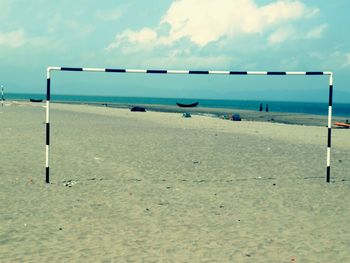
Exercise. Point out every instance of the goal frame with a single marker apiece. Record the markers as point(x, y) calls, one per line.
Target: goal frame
point(196, 72)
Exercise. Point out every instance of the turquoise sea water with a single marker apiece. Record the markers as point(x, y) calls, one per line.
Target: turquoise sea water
point(339, 109)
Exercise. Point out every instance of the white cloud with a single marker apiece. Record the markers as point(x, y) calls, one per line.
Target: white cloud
point(46, 43)
point(191, 61)
point(108, 15)
point(6, 8)
point(286, 10)
point(54, 23)
point(331, 61)
point(340, 59)
point(281, 35)
point(59, 23)
point(290, 33)
point(347, 60)
point(79, 28)
point(13, 39)
point(317, 31)
point(215, 19)
point(19, 39)
point(143, 38)
point(207, 21)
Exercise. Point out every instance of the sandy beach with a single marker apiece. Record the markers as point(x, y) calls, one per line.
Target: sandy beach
point(156, 187)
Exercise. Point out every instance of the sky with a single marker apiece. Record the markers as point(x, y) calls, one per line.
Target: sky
point(243, 35)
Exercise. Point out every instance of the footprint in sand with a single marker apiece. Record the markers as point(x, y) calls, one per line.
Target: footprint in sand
point(98, 159)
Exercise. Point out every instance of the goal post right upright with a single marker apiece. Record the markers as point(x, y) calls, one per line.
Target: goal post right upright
point(330, 103)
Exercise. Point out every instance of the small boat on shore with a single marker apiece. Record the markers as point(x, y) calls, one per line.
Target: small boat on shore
point(35, 100)
point(138, 108)
point(195, 104)
point(343, 124)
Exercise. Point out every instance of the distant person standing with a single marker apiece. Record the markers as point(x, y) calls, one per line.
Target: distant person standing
point(2, 96)
point(261, 107)
point(267, 107)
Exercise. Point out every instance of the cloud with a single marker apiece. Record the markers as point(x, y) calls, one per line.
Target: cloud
point(191, 61)
point(143, 38)
point(13, 39)
point(317, 31)
point(291, 33)
point(108, 15)
point(335, 60)
point(339, 59)
point(19, 39)
point(79, 28)
point(214, 20)
point(347, 60)
point(47, 43)
point(286, 10)
point(59, 23)
point(6, 8)
point(281, 35)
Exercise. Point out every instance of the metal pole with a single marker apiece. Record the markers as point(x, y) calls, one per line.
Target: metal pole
point(47, 126)
point(328, 176)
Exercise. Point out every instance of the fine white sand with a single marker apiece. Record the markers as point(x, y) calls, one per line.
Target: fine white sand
point(156, 187)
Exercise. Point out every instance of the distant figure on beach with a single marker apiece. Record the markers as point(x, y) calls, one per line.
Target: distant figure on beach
point(261, 107)
point(2, 96)
point(267, 107)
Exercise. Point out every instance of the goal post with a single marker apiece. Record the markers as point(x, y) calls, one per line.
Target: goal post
point(196, 72)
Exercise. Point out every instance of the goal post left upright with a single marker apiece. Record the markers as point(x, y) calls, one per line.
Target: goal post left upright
point(47, 125)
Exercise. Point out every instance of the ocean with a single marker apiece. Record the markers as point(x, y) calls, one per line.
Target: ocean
point(318, 108)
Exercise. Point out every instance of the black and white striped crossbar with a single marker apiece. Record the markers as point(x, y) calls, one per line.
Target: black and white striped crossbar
point(196, 72)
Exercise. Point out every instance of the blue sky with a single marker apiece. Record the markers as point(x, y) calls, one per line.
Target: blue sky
point(185, 34)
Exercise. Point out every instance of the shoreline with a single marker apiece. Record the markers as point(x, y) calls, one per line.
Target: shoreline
point(291, 118)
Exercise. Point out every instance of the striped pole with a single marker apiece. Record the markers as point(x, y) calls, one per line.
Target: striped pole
point(197, 72)
point(330, 103)
point(47, 124)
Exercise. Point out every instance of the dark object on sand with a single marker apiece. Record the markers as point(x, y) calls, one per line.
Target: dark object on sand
point(267, 107)
point(261, 107)
point(186, 115)
point(137, 108)
point(236, 117)
point(225, 116)
point(195, 104)
point(35, 100)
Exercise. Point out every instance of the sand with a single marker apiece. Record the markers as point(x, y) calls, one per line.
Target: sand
point(156, 187)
